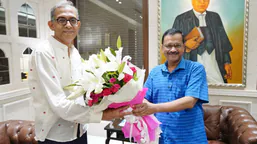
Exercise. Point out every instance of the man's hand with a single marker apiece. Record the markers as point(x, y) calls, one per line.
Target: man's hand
point(144, 109)
point(110, 114)
point(228, 71)
point(193, 43)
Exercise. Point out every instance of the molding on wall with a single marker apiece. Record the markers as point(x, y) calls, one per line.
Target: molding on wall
point(14, 93)
point(19, 109)
point(244, 104)
point(232, 92)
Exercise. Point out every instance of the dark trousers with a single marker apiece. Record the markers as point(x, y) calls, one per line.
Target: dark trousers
point(81, 140)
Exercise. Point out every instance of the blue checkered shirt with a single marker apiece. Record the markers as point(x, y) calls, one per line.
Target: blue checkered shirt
point(187, 79)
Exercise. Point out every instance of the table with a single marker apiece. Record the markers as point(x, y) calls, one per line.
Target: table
point(115, 129)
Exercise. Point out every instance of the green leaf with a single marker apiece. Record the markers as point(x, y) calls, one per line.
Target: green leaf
point(72, 85)
point(121, 67)
point(69, 86)
point(82, 60)
point(89, 72)
point(107, 85)
point(108, 75)
point(135, 77)
point(105, 77)
point(113, 51)
point(119, 44)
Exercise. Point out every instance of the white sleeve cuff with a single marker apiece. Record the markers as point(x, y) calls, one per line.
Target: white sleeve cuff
point(95, 117)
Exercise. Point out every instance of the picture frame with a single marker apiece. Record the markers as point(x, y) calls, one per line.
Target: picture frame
point(234, 15)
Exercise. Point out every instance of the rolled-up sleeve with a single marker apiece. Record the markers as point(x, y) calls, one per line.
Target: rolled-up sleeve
point(197, 86)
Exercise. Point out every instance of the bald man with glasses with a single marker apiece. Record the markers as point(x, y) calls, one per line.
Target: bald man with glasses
point(54, 64)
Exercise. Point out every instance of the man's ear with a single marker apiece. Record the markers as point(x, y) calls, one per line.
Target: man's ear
point(79, 23)
point(184, 47)
point(51, 25)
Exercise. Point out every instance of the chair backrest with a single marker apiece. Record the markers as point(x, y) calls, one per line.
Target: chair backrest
point(212, 121)
point(229, 124)
point(17, 131)
point(236, 122)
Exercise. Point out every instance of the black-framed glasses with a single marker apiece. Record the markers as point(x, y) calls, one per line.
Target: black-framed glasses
point(63, 21)
point(177, 46)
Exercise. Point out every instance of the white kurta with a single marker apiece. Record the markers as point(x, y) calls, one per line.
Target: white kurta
point(50, 70)
point(209, 60)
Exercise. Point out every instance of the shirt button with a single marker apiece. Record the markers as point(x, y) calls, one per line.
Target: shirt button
point(169, 86)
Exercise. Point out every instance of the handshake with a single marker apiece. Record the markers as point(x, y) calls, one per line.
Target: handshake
point(193, 39)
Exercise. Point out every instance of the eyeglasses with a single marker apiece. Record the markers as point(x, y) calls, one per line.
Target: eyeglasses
point(177, 46)
point(63, 21)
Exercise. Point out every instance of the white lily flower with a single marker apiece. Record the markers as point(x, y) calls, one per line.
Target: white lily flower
point(119, 55)
point(95, 61)
point(126, 58)
point(126, 68)
point(98, 88)
point(111, 66)
point(121, 76)
point(90, 89)
point(87, 66)
point(91, 82)
point(109, 54)
point(98, 72)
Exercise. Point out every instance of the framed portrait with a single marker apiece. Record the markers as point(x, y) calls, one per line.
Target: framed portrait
point(215, 34)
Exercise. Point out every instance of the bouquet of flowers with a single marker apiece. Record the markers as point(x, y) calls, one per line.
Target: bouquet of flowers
point(108, 80)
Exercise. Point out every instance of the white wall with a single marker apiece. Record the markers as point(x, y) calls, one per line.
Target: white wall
point(244, 97)
point(15, 98)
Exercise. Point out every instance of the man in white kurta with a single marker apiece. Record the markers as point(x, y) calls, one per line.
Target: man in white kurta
point(55, 63)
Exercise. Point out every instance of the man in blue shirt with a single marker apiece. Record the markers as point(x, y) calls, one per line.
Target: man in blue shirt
point(176, 91)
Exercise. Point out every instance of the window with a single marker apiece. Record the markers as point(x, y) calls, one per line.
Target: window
point(27, 51)
point(2, 20)
point(27, 21)
point(24, 62)
point(4, 69)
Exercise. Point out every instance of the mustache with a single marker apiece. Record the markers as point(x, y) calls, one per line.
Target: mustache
point(172, 53)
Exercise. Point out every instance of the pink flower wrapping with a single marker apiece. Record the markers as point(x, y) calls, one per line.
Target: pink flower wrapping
point(136, 100)
point(137, 129)
point(152, 124)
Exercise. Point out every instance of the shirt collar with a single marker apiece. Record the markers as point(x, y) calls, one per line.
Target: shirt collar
point(56, 43)
point(181, 65)
point(197, 14)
